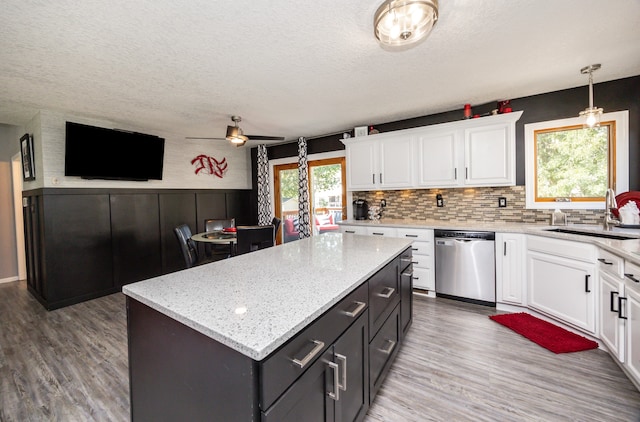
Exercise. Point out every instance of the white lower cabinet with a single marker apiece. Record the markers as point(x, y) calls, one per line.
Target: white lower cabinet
point(511, 275)
point(562, 286)
point(423, 257)
point(612, 322)
point(632, 337)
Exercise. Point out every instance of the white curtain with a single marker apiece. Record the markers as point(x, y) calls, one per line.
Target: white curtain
point(264, 205)
point(304, 226)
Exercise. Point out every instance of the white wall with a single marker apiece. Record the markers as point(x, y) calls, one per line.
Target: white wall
point(48, 130)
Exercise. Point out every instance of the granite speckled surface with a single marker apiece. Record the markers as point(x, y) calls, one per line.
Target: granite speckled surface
point(628, 249)
point(255, 302)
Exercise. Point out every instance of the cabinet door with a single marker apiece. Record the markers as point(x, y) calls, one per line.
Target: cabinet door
point(362, 165)
point(563, 288)
point(406, 299)
point(308, 398)
point(510, 268)
point(489, 156)
point(351, 353)
point(611, 326)
point(439, 160)
point(632, 358)
point(396, 157)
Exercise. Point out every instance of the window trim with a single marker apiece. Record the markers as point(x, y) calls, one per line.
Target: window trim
point(621, 182)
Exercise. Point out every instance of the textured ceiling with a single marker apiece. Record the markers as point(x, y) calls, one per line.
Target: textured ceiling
point(303, 68)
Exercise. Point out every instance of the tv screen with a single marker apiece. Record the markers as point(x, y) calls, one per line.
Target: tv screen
point(98, 153)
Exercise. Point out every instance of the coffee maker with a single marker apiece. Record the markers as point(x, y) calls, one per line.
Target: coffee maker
point(360, 209)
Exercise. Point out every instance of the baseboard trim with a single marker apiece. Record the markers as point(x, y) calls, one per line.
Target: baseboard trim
point(9, 279)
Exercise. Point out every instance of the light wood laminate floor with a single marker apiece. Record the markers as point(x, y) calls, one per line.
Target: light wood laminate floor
point(456, 365)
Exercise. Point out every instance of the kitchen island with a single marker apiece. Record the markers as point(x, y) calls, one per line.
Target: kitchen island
point(251, 337)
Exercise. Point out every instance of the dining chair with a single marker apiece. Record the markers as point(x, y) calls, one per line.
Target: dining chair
point(212, 225)
point(253, 238)
point(187, 246)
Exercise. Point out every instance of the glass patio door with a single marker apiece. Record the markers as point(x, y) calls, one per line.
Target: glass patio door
point(327, 191)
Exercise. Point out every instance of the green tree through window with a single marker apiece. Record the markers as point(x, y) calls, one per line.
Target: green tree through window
point(573, 162)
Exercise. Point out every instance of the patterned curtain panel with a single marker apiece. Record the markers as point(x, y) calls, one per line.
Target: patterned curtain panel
point(264, 207)
point(304, 227)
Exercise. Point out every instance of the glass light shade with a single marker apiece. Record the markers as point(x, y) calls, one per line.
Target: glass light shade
point(591, 116)
point(404, 22)
point(235, 136)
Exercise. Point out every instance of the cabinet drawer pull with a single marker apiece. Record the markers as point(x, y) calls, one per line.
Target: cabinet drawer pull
point(631, 277)
point(343, 359)
point(378, 234)
point(350, 231)
point(416, 278)
point(455, 173)
point(359, 307)
point(605, 262)
point(389, 349)
point(387, 292)
point(414, 249)
point(586, 283)
point(613, 301)
point(410, 235)
point(620, 299)
point(380, 178)
point(336, 386)
point(373, 178)
point(319, 345)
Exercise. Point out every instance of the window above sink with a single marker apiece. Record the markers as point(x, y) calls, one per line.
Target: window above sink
point(569, 167)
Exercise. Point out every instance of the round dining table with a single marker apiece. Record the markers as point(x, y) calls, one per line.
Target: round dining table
point(217, 237)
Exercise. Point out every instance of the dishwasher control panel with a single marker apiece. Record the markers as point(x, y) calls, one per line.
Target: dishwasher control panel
point(465, 234)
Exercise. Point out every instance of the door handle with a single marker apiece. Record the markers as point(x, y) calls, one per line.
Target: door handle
point(586, 283)
point(336, 384)
point(612, 301)
point(343, 359)
point(604, 261)
point(380, 178)
point(620, 299)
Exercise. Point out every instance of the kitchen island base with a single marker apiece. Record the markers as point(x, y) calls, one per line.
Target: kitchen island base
point(329, 371)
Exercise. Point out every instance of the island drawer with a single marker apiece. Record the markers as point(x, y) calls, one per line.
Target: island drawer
point(280, 369)
point(382, 349)
point(610, 263)
point(384, 294)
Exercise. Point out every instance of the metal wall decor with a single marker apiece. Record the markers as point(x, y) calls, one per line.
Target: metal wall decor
point(210, 165)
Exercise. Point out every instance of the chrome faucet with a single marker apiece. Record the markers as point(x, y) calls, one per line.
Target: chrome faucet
point(609, 204)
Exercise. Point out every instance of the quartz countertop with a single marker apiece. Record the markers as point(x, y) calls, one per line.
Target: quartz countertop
point(254, 303)
point(628, 249)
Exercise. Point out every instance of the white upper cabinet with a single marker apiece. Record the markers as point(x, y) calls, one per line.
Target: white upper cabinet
point(383, 161)
point(490, 155)
point(438, 159)
point(466, 153)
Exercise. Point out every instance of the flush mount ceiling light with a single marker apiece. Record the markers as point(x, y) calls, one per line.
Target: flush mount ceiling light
point(404, 22)
point(591, 114)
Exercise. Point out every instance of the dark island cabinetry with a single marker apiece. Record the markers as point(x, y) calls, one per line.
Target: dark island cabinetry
point(328, 371)
point(86, 243)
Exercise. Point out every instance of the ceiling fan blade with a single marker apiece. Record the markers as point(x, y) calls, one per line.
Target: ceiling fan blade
point(195, 137)
point(264, 138)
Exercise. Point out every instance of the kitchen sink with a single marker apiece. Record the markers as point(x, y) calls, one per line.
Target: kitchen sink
point(592, 234)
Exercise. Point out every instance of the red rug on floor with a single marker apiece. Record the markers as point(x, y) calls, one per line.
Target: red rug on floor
point(545, 334)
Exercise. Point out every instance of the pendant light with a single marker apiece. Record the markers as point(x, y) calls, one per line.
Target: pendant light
point(591, 114)
point(399, 23)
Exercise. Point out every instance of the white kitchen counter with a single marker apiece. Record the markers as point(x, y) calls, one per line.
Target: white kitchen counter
point(628, 249)
point(254, 303)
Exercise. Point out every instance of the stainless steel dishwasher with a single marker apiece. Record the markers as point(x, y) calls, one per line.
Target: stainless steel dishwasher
point(466, 266)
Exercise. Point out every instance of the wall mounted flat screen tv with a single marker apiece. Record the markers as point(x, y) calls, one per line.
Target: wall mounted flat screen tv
point(98, 153)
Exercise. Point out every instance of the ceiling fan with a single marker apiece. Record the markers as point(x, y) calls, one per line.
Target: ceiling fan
point(238, 138)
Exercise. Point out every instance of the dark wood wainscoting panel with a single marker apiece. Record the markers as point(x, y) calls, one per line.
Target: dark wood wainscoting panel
point(210, 205)
point(239, 207)
point(135, 231)
point(77, 249)
point(175, 209)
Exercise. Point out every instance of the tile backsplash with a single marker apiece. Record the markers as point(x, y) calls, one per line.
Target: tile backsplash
point(469, 204)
